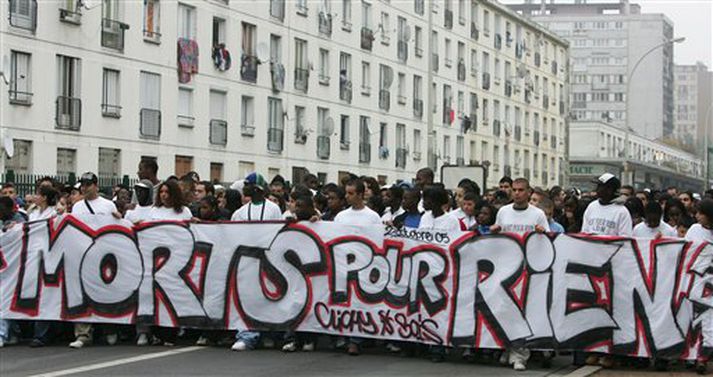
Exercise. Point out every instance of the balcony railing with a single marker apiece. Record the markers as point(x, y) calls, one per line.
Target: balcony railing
point(68, 115)
point(418, 107)
point(275, 139)
point(72, 16)
point(150, 127)
point(323, 146)
point(248, 68)
point(364, 152)
point(367, 38)
point(152, 36)
point(402, 50)
point(23, 14)
point(345, 91)
point(277, 74)
point(185, 121)
point(218, 132)
point(401, 154)
point(486, 81)
point(20, 98)
point(113, 34)
point(301, 79)
point(113, 111)
point(325, 24)
point(384, 99)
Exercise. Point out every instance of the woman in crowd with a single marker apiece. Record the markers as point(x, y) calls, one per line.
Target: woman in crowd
point(170, 203)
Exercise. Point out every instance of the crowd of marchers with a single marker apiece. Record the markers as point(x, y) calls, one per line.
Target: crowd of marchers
point(514, 206)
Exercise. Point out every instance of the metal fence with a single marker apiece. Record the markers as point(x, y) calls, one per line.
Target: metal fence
point(25, 183)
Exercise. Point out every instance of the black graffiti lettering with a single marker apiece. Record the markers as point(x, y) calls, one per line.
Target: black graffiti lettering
point(351, 320)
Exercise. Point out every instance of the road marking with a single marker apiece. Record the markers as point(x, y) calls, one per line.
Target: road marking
point(113, 363)
point(584, 371)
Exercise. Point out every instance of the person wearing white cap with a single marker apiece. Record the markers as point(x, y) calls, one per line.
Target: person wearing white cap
point(606, 217)
point(144, 194)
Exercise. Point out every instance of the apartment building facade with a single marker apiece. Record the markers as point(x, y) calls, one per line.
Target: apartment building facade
point(228, 87)
point(693, 100)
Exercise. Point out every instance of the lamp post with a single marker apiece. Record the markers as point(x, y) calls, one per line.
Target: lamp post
point(706, 176)
point(627, 177)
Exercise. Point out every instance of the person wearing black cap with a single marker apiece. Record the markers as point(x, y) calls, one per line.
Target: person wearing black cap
point(93, 204)
point(608, 218)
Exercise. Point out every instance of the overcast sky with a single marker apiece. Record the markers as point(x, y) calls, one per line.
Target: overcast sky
point(691, 19)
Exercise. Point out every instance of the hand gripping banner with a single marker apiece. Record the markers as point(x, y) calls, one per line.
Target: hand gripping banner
point(638, 297)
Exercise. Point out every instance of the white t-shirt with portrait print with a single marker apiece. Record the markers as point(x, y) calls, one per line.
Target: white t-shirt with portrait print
point(607, 220)
point(521, 221)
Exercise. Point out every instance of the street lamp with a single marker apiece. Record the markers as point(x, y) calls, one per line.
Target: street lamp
point(626, 176)
point(706, 184)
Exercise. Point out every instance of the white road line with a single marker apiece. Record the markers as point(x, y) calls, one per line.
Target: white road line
point(113, 363)
point(584, 371)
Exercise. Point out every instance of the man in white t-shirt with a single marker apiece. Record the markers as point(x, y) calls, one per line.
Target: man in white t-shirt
point(652, 226)
point(357, 213)
point(520, 217)
point(603, 216)
point(258, 209)
point(92, 204)
point(143, 190)
point(393, 196)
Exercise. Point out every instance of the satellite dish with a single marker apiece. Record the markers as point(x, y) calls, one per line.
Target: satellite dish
point(8, 145)
point(407, 32)
point(329, 126)
point(263, 52)
point(388, 76)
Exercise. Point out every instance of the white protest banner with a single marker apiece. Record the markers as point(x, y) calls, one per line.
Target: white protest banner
point(637, 297)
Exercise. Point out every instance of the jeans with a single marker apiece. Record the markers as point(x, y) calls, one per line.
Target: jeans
point(42, 331)
point(250, 338)
point(7, 329)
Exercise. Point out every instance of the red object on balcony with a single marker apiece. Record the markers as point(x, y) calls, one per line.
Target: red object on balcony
point(187, 59)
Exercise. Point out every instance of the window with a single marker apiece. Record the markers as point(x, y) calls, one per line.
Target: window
point(186, 22)
point(216, 172)
point(218, 31)
point(300, 134)
point(446, 157)
point(249, 39)
point(20, 78)
point(185, 107)
point(301, 65)
point(448, 53)
point(344, 132)
point(275, 49)
point(401, 89)
point(69, 104)
point(347, 14)
point(365, 15)
point(385, 28)
point(152, 20)
point(184, 164)
point(109, 162)
point(323, 66)
point(416, 144)
point(277, 9)
point(247, 111)
point(418, 41)
point(111, 103)
point(301, 7)
point(365, 78)
point(383, 139)
point(21, 161)
point(110, 9)
point(66, 161)
point(150, 100)
point(364, 139)
point(23, 14)
point(417, 83)
point(218, 105)
point(276, 126)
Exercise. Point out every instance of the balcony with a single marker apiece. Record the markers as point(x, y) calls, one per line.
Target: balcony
point(364, 152)
point(323, 146)
point(218, 134)
point(537, 59)
point(486, 81)
point(498, 41)
point(474, 32)
point(402, 50)
point(275, 137)
point(150, 127)
point(20, 98)
point(448, 19)
point(302, 79)
point(248, 68)
point(111, 111)
point(496, 127)
point(325, 24)
point(418, 107)
point(367, 38)
point(23, 14)
point(508, 88)
point(401, 154)
point(434, 62)
point(71, 16)
point(345, 91)
point(461, 70)
point(277, 75)
point(113, 34)
point(384, 99)
point(68, 115)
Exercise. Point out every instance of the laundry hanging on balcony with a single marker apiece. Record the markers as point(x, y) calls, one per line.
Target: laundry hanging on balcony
point(221, 57)
point(187, 59)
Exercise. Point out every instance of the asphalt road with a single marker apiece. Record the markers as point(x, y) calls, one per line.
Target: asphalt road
point(129, 360)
